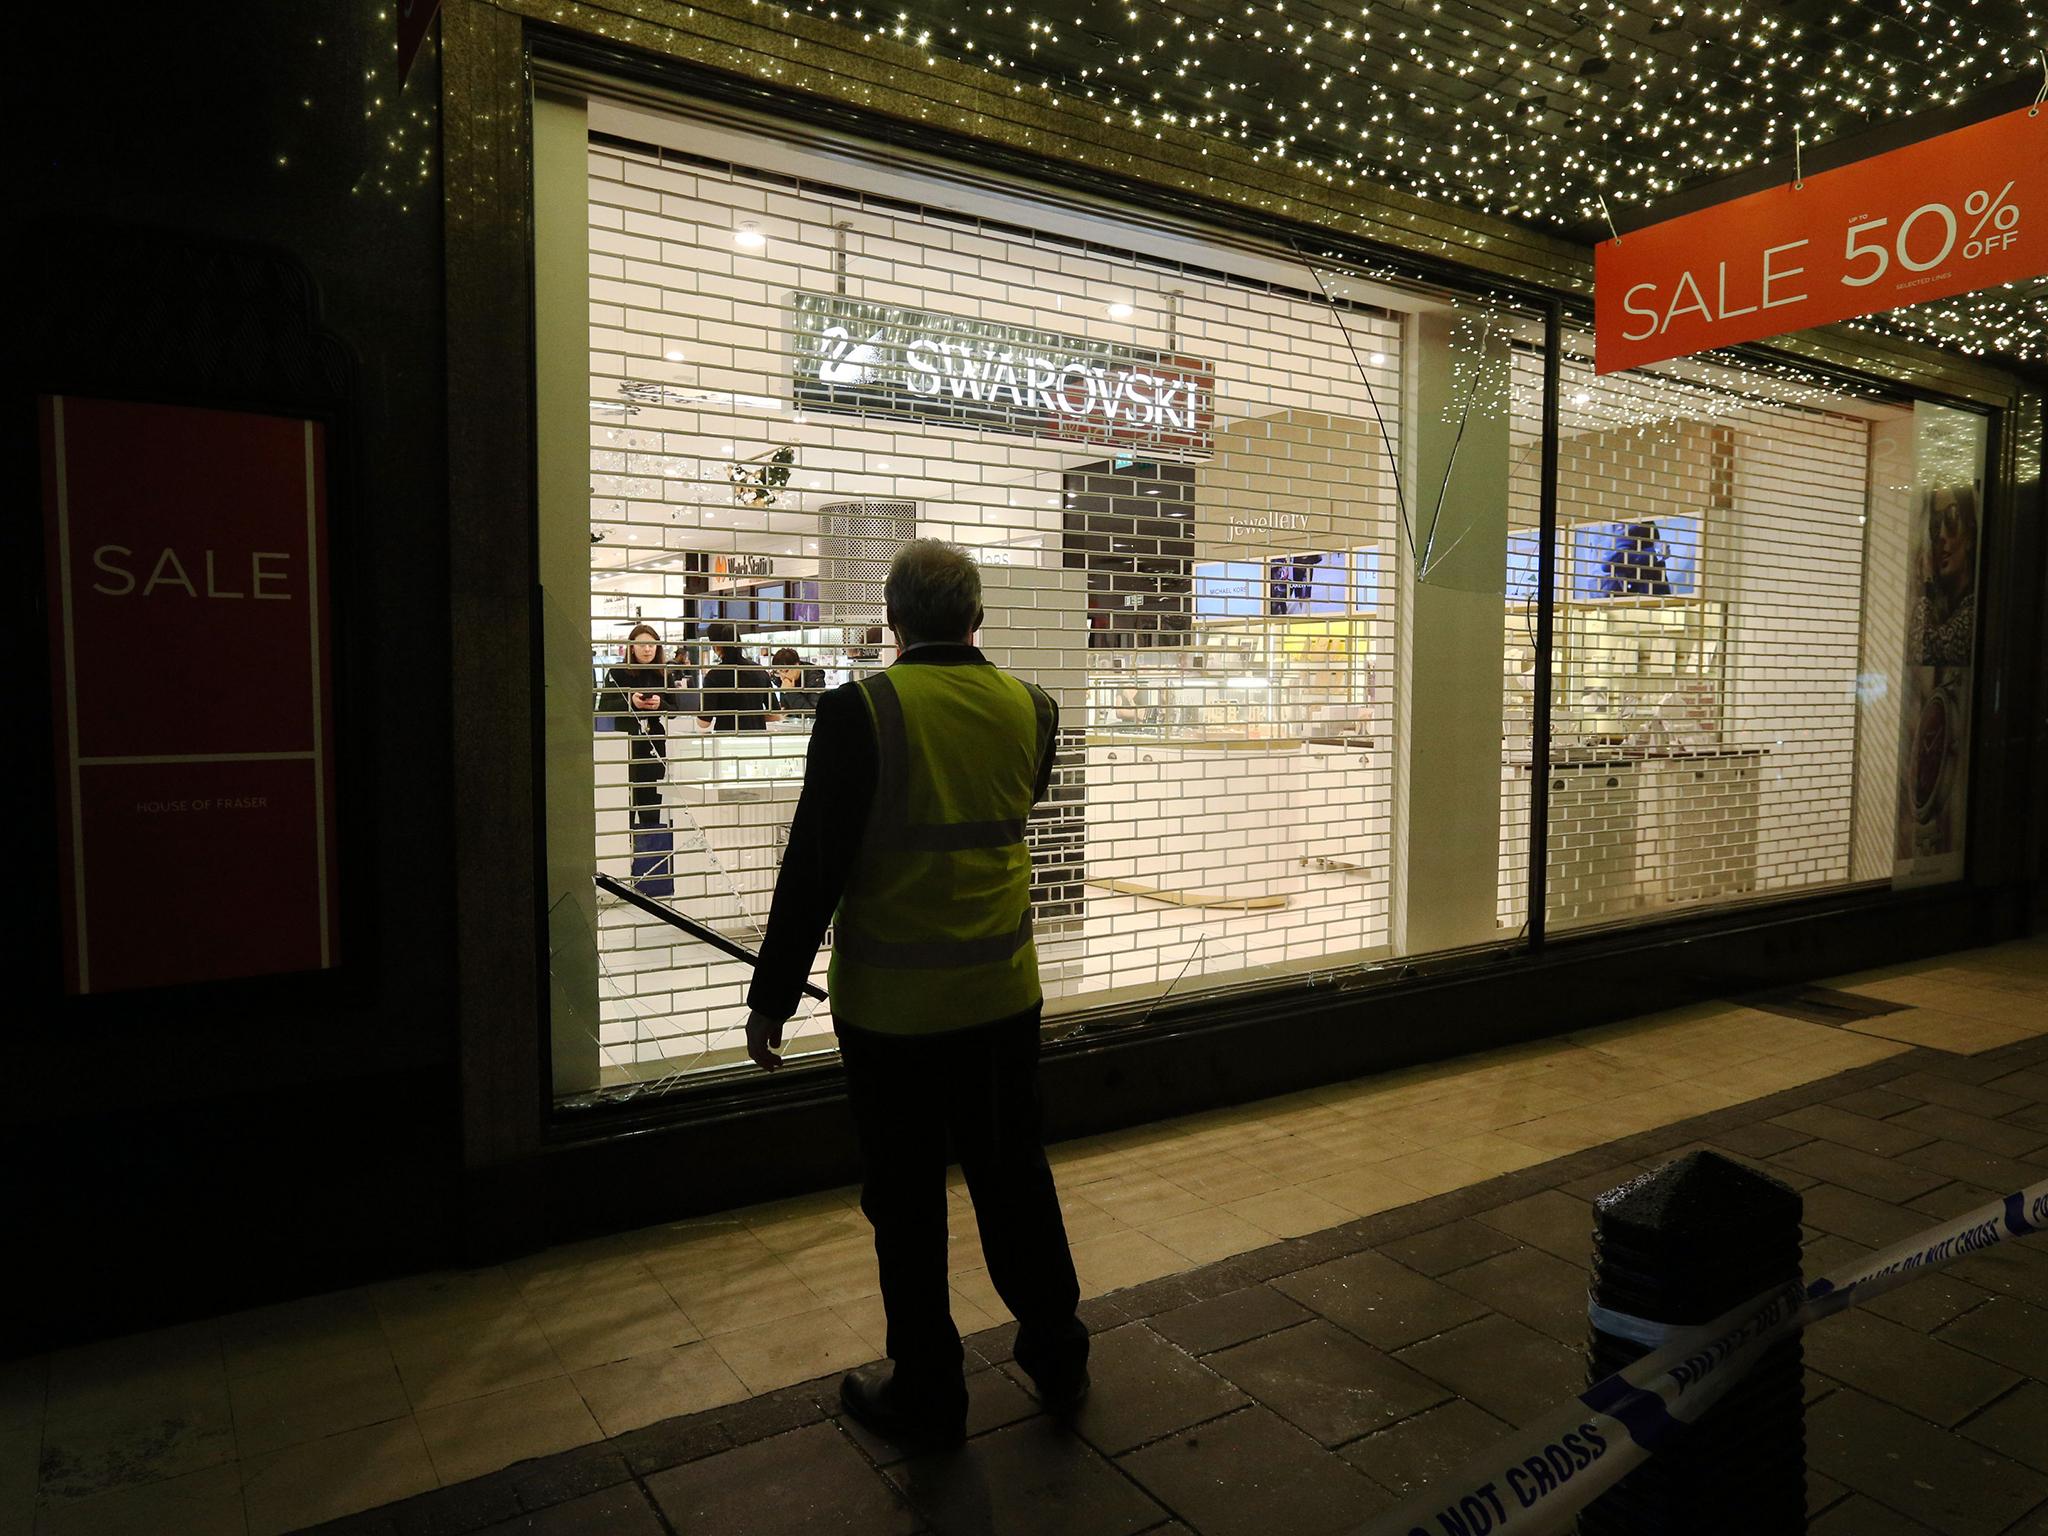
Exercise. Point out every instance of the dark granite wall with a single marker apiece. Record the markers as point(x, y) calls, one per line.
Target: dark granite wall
point(199, 1149)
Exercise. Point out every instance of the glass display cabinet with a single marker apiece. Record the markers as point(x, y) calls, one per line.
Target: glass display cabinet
point(1276, 680)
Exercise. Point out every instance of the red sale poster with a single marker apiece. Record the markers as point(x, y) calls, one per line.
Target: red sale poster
point(186, 554)
point(1948, 215)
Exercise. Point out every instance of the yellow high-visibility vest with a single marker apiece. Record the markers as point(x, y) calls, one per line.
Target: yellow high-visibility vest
point(933, 931)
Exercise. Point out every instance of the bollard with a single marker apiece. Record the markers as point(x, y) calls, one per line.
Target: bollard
point(1680, 1246)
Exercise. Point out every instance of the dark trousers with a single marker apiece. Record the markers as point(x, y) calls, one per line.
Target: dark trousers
point(980, 1087)
point(647, 761)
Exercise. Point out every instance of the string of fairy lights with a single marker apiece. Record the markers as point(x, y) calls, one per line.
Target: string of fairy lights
point(396, 115)
point(2011, 319)
point(1642, 400)
point(1532, 112)
point(1483, 103)
point(1553, 115)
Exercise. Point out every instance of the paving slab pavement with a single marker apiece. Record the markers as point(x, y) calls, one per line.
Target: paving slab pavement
point(1305, 1386)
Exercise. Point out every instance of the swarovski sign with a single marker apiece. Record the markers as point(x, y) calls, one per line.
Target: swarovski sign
point(884, 360)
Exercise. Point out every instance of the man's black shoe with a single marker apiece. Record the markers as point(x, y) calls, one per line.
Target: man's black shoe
point(1063, 1391)
point(927, 1420)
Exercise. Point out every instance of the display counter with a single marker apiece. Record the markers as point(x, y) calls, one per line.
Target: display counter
point(1636, 830)
point(1227, 743)
point(740, 764)
point(1214, 812)
point(728, 798)
point(1227, 816)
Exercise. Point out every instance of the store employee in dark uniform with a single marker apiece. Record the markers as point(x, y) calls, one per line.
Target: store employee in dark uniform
point(738, 696)
point(909, 838)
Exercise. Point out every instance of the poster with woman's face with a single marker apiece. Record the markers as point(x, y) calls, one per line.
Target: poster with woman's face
point(1942, 555)
point(1934, 764)
point(1934, 716)
point(1937, 499)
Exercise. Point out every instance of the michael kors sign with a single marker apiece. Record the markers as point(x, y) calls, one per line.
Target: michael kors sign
point(883, 360)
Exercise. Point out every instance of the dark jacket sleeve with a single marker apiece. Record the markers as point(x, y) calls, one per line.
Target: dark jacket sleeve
point(612, 709)
point(1052, 748)
point(824, 840)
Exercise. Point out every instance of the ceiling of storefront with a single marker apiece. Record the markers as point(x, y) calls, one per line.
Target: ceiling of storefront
point(1531, 112)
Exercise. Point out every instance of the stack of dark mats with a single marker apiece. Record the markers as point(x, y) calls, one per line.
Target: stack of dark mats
point(1680, 1246)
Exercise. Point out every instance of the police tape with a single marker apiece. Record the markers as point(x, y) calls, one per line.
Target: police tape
point(1545, 1473)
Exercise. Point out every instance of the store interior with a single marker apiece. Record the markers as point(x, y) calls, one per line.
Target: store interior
point(1209, 609)
point(1236, 593)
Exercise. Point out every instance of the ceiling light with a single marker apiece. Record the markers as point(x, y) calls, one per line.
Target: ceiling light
point(1582, 397)
point(748, 235)
point(1119, 311)
point(674, 354)
point(1378, 359)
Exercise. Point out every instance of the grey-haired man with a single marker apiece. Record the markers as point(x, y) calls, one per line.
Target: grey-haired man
point(909, 838)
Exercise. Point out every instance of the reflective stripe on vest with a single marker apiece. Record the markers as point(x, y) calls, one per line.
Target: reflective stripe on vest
point(948, 836)
point(942, 955)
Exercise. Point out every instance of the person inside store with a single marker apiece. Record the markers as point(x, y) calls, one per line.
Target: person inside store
point(1944, 624)
point(738, 696)
point(797, 684)
point(909, 839)
point(638, 693)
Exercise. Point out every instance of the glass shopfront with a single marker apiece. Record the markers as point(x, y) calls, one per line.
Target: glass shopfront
point(1269, 531)
point(1732, 595)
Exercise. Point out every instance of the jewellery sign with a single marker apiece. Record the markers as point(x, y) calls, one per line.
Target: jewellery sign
point(186, 556)
point(883, 360)
point(1948, 215)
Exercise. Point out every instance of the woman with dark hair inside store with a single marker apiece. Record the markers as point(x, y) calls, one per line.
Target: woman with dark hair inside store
point(638, 693)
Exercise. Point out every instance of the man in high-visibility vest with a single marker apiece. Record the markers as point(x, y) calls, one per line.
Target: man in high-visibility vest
point(909, 839)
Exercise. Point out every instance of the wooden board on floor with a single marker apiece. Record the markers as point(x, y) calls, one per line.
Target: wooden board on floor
point(1193, 899)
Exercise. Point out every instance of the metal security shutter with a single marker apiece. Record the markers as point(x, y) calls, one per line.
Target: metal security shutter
point(1709, 618)
point(790, 378)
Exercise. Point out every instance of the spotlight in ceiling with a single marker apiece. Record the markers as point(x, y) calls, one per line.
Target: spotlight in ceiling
point(674, 354)
point(1582, 397)
point(1119, 311)
point(748, 236)
point(1378, 358)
